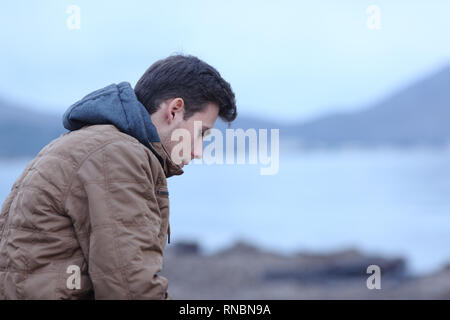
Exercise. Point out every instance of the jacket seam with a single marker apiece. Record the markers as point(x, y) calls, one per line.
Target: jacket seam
point(115, 270)
point(23, 271)
point(32, 230)
point(116, 249)
point(98, 182)
point(72, 178)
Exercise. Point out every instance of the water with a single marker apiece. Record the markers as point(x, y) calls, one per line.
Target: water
point(387, 202)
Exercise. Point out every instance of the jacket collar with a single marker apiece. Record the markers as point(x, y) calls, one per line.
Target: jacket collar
point(118, 105)
point(169, 166)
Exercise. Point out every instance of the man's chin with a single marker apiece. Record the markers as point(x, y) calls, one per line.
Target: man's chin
point(182, 164)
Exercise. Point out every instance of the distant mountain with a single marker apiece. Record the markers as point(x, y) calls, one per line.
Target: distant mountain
point(418, 114)
point(25, 132)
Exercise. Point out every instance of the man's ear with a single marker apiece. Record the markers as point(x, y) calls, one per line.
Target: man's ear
point(175, 109)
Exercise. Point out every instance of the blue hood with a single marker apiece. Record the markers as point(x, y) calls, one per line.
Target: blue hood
point(116, 105)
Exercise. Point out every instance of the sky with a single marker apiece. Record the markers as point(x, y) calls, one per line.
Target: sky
point(285, 60)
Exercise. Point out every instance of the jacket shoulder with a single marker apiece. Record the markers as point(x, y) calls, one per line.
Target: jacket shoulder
point(73, 147)
point(108, 144)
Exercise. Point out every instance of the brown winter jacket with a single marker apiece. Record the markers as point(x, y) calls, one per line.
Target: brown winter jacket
point(89, 216)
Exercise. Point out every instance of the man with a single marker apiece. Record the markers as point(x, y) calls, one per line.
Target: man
point(89, 216)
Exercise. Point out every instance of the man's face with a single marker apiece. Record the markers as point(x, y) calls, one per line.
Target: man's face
point(170, 118)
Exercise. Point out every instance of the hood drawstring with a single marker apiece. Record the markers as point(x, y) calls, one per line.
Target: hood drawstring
point(168, 234)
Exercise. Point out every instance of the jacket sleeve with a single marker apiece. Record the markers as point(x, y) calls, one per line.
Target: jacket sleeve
point(118, 210)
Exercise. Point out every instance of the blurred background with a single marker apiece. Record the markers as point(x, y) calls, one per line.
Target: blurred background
point(359, 91)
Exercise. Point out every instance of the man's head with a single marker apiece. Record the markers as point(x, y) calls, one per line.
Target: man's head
point(179, 90)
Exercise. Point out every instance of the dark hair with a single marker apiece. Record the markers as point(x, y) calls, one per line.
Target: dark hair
point(189, 78)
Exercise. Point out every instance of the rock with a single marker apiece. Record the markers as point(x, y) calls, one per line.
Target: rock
point(244, 271)
point(336, 265)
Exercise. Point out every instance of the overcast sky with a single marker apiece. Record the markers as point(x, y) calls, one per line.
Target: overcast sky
point(286, 60)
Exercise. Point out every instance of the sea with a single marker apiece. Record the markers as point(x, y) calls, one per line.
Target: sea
point(388, 202)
